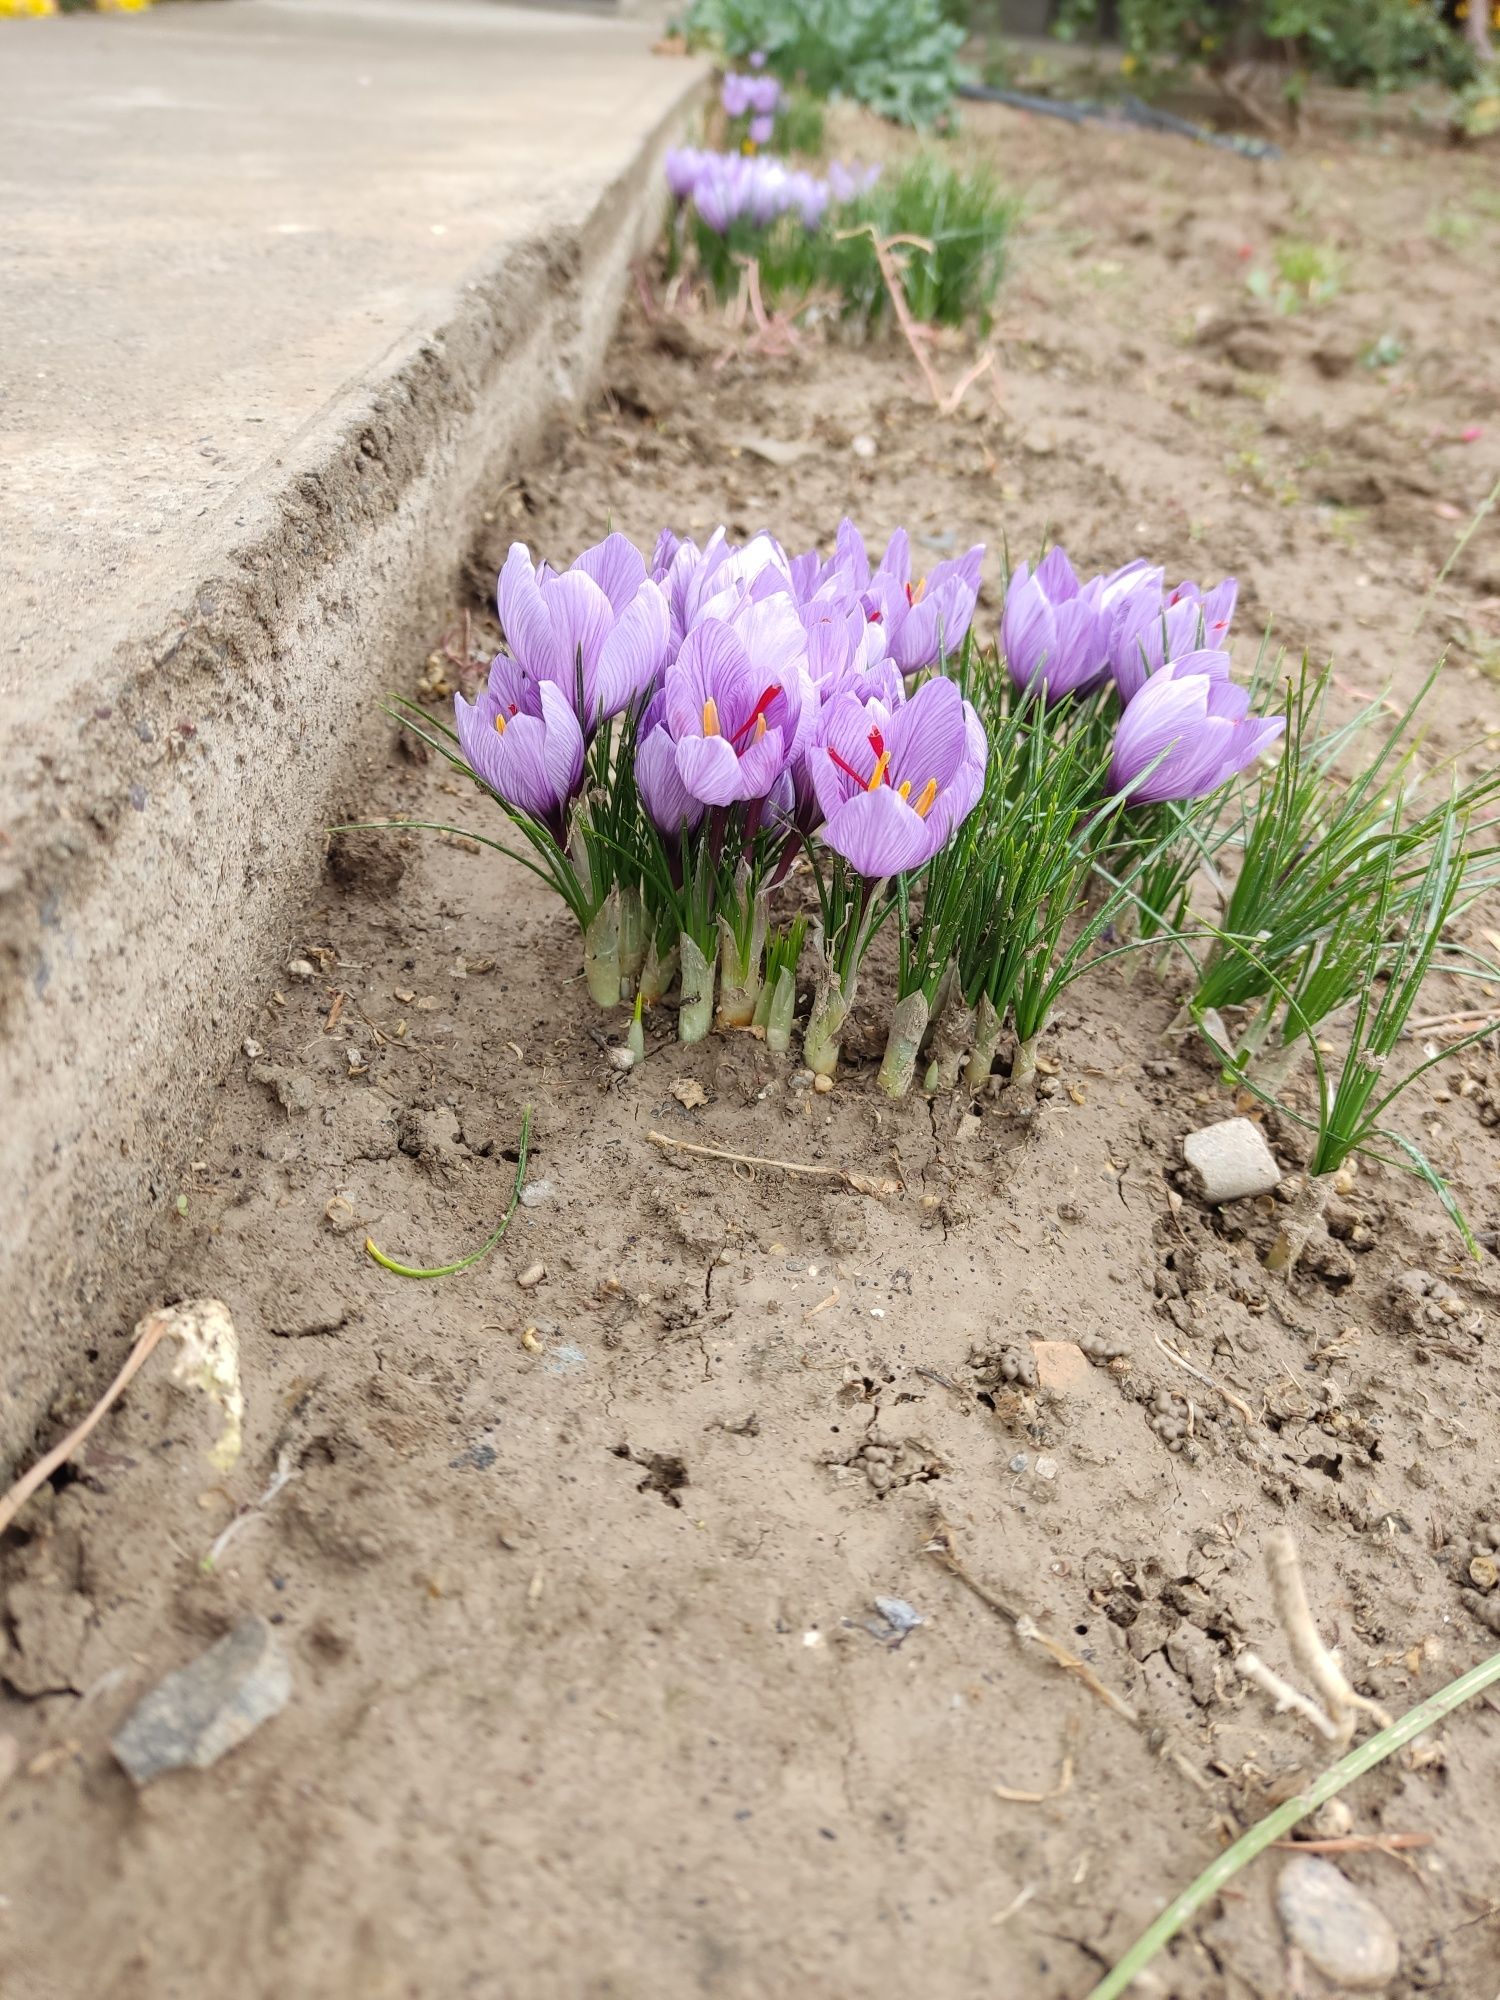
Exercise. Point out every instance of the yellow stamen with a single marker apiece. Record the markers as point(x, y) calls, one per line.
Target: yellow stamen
point(499, 724)
point(710, 717)
point(925, 798)
point(878, 774)
point(760, 727)
point(919, 590)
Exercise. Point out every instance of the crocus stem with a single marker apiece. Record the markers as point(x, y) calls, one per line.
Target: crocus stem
point(779, 1014)
point(987, 1025)
point(635, 1040)
point(830, 1010)
point(1274, 1069)
point(632, 941)
point(1299, 1219)
point(601, 952)
point(696, 1012)
point(903, 1044)
point(658, 972)
point(1023, 1069)
point(741, 966)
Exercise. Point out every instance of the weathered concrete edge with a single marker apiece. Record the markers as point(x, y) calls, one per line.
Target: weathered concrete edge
point(171, 824)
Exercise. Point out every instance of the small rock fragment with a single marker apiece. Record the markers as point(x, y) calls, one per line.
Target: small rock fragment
point(535, 1193)
point(822, 1084)
point(1340, 1929)
point(689, 1093)
point(203, 1710)
point(531, 1277)
point(1231, 1160)
point(1061, 1366)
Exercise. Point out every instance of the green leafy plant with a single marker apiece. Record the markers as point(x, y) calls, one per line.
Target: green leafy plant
point(961, 224)
point(899, 57)
point(1307, 275)
point(1370, 44)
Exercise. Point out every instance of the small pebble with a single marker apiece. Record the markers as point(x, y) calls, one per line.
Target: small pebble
point(1020, 1462)
point(1046, 1468)
point(1335, 1925)
point(1231, 1161)
point(531, 1277)
point(822, 1084)
point(533, 1195)
point(299, 968)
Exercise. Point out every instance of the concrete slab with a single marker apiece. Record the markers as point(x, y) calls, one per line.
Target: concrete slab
point(284, 286)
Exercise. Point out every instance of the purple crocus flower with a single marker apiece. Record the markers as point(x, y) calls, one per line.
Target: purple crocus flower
point(1151, 627)
point(762, 129)
point(757, 59)
point(1194, 728)
point(683, 165)
point(735, 95)
point(599, 631)
point(764, 95)
point(927, 620)
point(522, 739)
point(847, 184)
point(1051, 629)
point(669, 804)
point(714, 580)
point(894, 783)
point(733, 700)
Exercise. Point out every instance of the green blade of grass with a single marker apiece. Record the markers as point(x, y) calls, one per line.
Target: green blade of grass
point(474, 1256)
point(1260, 1836)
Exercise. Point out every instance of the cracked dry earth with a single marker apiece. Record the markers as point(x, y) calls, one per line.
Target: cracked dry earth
point(577, 1580)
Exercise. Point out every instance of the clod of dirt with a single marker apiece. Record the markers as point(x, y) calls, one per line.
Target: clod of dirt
point(291, 1089)
point(203, 1710)
point(366, 1125)
point(891, 1463)
point(531, 1277)
point(1250, 343)
point(367, 863)
point(665, 1471)
point(1428, 1305)
point(430, 1136)
point(1104, 1352)
point(998, 1366)
point(50, 1626)
point(1347, 1938)
point(1231, 1161)
point(1169, 1420)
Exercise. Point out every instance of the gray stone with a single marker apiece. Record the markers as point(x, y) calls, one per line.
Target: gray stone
point(1335, 1925)
point(292, 1090)
point(203, 1710)
point(1231, 1160)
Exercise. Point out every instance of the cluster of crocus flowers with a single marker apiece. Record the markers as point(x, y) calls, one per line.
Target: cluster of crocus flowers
point(1184, 728)
point(725, 189)
point(673, 734)
point(756, 98)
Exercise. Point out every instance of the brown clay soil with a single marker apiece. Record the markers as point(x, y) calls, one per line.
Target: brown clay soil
point(577, 1581)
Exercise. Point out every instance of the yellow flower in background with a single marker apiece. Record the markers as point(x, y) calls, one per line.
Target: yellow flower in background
point(12, 10)
point(120, 6)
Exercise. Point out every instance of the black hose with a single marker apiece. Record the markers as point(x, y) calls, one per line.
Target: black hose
point(1125, 110)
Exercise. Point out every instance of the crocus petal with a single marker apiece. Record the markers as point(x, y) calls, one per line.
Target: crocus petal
point(879, 834)
point(667, 800)
point(1056, 575)
point(709, 769)
point(618, 567)
point(635, 652)
point(926, 736)
point(562, 747)
point(896, 561)
point(523, 616)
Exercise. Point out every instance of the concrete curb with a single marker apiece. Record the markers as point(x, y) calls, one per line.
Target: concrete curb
point(156, 864)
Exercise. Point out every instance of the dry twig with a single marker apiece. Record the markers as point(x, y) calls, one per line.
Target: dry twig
point(1209, 1382)
point(916, 335)
point(1360, 1843)
point(860, 1183)
point(1309, 1654)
